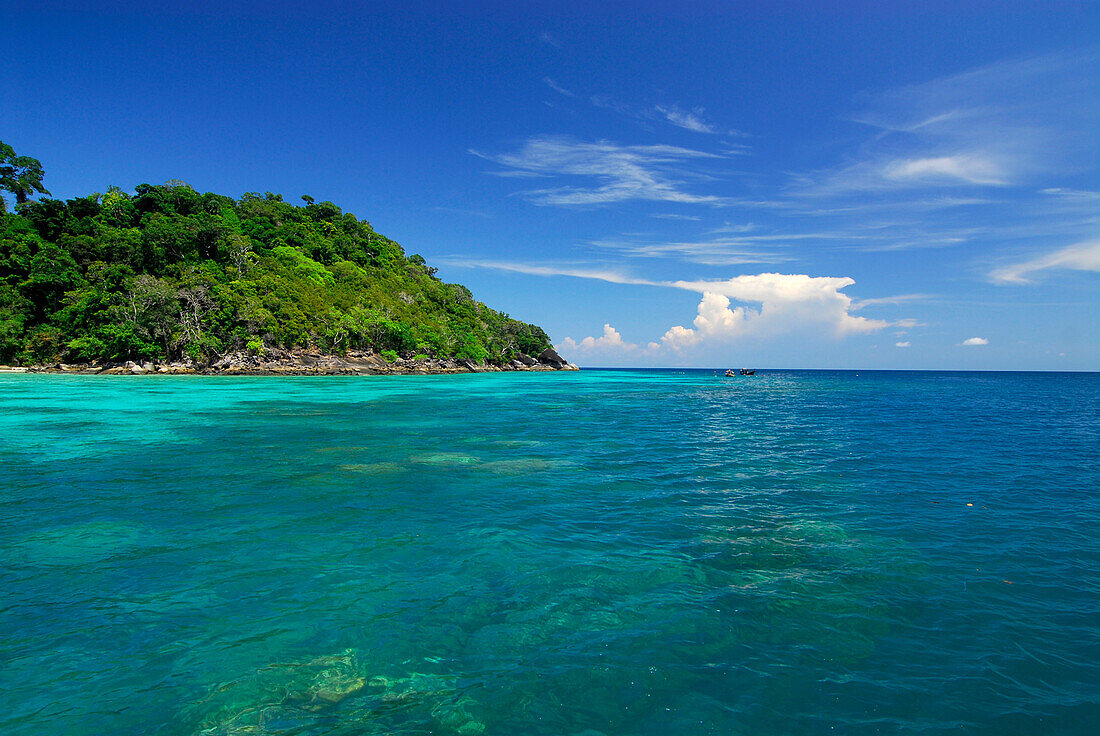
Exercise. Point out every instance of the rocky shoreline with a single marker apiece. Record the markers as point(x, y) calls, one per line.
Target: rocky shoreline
point(307, 363)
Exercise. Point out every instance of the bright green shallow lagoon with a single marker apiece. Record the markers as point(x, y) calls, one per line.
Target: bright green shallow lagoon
point(608, 552)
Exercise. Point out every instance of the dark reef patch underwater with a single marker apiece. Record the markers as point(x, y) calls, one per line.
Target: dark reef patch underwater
point(602, 552)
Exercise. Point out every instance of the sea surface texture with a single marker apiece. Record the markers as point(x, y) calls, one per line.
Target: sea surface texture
point(603, 552)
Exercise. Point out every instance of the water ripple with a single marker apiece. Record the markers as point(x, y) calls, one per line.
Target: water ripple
point(609, 552)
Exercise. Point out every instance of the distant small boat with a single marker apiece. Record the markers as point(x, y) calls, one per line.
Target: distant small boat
point(743, 372)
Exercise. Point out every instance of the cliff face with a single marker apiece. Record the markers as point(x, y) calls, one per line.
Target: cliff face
point(167, 275)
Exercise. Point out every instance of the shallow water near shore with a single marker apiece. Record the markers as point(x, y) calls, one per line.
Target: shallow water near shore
point(603, 552)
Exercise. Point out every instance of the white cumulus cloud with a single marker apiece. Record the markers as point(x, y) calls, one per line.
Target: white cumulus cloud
point(972, 341)
point(611, 341)
point(788, 303)
point(902, 344)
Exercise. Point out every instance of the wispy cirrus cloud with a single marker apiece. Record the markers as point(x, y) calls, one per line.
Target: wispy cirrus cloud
point(693, 119)
point(1079, 257)
point(967, 169)
point(579, 271)
point(558, 88)
point(688, 120)
point(985, 159)
point(999, 125)
point(674, 216)
point(753, 244)
point(893, 300)
point(607, 102)
point(550, 39)
point(612, 172)
point(976, 158)
point(720, 251)
point(872, 209)
point(892, 173)
point(1079, 195)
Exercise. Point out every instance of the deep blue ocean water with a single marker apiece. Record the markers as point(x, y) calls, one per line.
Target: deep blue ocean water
point(603, 552)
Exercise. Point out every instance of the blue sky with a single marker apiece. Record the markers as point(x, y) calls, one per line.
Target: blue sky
point(848, 185)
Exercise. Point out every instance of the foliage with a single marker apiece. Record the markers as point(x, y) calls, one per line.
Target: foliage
point(20, 175)
point(167, 273)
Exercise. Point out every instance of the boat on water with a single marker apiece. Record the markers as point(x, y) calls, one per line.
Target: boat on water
point(730, 373)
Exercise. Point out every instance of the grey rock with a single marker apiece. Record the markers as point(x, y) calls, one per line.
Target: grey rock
point(551, 358)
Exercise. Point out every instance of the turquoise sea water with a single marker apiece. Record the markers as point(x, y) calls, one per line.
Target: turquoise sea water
point(603, 552)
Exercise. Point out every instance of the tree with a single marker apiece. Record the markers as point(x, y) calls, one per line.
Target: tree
point(52, 273)
point(20, 175)
point(240, 252)
point(168, 271)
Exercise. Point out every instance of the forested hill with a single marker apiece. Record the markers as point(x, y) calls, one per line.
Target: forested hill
point(167, 273)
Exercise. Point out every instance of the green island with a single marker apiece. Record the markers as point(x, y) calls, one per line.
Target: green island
point(171, 280)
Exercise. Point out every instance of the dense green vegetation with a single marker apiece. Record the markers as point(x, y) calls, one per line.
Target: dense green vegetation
point(168, 273)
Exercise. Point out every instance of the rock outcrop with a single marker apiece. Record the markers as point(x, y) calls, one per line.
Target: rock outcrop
point(313, 363)
point(551, 358)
